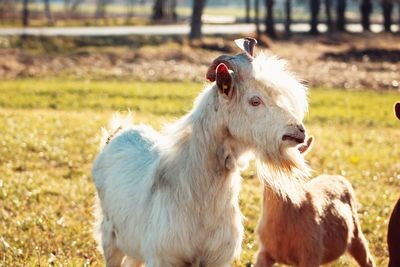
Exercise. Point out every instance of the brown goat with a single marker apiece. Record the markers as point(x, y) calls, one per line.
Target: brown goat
point(314, 227)
point(393, 237)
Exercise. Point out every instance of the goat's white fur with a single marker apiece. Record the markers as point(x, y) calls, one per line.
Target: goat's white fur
point(166, 200)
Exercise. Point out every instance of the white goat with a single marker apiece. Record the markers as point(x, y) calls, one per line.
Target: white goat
point(166, 199)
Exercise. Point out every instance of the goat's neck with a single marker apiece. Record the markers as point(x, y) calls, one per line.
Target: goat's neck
point(196, 154)
point(211, 140)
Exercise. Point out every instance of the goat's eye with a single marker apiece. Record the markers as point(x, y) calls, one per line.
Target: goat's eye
point(255, 101)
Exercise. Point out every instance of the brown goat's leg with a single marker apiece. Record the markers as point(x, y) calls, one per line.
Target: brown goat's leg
point(264, 259)
point(309, 262)
point(359, 250)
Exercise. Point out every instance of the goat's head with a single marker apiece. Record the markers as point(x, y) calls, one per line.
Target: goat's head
point(397, 110)
point(262, 104)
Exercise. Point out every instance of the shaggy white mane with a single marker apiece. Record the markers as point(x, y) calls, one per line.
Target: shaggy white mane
point(292, 95)
point(274, 73)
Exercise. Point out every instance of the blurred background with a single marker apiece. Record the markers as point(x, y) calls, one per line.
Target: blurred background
point(338, 36)
point(67, 66)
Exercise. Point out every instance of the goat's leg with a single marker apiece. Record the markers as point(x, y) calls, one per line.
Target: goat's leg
point(264, 259)
point(112, 254)
point(358, 248)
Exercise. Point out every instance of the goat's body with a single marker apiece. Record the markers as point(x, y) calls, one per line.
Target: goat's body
point(393, 237)
point(167, 207)
point(316, 230)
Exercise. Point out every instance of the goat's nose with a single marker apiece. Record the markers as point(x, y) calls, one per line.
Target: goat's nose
point(301, 128)
point(295, 133)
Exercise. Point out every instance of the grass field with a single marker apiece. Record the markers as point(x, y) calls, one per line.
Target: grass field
point(50, 136)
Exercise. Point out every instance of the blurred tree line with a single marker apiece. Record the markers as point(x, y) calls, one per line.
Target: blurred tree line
point(165, 11)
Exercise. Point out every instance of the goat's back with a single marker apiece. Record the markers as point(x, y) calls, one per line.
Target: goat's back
point(331, 187)
point(128, 159)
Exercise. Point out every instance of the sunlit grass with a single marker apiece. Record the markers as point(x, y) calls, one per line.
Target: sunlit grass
point(50, 134)
point(156, 98)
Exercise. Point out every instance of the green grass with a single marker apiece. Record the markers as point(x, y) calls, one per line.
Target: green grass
point(156, 98)
point(50, 135)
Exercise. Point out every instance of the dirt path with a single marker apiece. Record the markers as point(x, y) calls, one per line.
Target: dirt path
point(181, 29)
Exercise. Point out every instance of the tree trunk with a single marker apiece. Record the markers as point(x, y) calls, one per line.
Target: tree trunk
point(174, 15)
point(328, 15)
point(75, 5)
point(288, 21)
point(129, 15)
point(66, 5)
point(341, 19)
point(158, 10)
point(257, 17)
point(247, 4)
point(315, 4)
point(387, 8)
point(195, 25)
point(25, 13)
point(269, 19)
point(365, 9)
point(101, 9)
point(47, 11)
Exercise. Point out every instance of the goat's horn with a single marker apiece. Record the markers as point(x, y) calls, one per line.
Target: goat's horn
point(247, 44)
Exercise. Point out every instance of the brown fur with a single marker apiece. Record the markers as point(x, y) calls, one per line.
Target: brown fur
point(393, 236)
point(314, 228)
point(397, 110)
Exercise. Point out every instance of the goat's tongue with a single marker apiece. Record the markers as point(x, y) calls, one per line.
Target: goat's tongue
point(302, 148)
point(305, 146)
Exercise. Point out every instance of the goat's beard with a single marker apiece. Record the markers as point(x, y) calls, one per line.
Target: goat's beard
point(283, 171)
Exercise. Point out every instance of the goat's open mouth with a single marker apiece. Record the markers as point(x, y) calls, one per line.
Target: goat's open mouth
point(295, 138)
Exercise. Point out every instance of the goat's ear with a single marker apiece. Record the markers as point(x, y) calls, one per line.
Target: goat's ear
point(397, 110)
point(224, 80)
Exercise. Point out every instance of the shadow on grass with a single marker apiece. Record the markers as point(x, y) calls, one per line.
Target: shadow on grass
point(370, 54)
